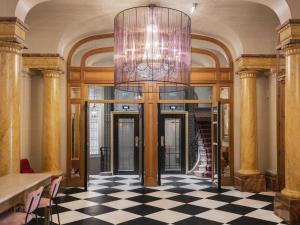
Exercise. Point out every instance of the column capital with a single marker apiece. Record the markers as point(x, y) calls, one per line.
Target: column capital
point(289, 33)
point(259, 63)
point(12, 31)
point(292, 49)
point(44, 62)
point(52, 73)
point(248, 74)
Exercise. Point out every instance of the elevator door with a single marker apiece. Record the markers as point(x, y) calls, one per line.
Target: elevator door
point(126, 144)
point(172, 143)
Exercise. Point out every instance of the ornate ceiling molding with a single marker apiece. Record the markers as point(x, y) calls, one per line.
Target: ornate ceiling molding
point(289, 33)
point(12, 30)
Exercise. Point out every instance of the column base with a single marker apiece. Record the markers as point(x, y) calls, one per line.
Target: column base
point(150, 182)
point(250, 183)
point(287, 208)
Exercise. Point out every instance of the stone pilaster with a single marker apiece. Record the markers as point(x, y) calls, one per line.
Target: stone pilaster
point(12, 36)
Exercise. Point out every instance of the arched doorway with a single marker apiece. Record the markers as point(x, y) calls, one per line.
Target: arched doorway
point(90, 84)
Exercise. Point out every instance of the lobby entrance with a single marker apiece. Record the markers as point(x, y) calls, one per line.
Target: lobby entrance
point(91, 81)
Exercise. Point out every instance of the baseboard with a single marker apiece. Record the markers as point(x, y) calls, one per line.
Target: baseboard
point(272, 181)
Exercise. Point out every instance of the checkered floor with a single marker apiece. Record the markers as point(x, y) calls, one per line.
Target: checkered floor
point(181, 200)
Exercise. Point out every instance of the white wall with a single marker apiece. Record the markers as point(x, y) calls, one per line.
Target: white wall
point(25, 105)
point(36, 121)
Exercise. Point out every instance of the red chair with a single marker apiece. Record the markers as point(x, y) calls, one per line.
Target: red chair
point(25, 166)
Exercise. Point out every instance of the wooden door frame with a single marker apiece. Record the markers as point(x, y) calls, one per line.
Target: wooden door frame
point(280, 132)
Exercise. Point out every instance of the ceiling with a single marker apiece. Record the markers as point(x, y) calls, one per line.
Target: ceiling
point(245, 26)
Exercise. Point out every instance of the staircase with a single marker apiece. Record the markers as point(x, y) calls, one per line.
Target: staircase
point(203, 166)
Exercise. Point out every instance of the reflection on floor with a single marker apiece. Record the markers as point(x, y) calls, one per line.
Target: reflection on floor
point(181, 200)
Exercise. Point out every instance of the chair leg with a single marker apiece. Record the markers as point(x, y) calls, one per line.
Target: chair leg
point(36, 219)
point(56, 206)
point(50, 211)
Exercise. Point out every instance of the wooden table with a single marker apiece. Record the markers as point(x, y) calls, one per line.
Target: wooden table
point(14, 187)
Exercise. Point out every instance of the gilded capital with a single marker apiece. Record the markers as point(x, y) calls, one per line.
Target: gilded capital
point(51, 73)
point(247, 74)
point(10, 47)
point(292, 49)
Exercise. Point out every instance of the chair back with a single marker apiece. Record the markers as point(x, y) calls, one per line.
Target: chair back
point(55, 187)
point(33, 200)
point(25, 166)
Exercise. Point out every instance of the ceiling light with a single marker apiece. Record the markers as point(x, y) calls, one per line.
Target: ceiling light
point(152, 45)
point(194, 7)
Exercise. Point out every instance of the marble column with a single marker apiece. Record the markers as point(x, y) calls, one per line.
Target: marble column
point(292, 122)
point(249, 178)
point(51, 122)
point(287, 203)
point(248, 122)
point(10, 65)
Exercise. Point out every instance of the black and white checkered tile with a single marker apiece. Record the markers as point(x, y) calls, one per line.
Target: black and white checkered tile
point(181, 200)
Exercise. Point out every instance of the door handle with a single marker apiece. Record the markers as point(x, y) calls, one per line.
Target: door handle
point(162, 141)
point(136, 141)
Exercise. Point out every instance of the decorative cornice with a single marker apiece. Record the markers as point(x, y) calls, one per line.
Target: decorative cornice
point(247, 74)
point(12, 30)
point(261, 62)
point(43, 62)
point(289, 33)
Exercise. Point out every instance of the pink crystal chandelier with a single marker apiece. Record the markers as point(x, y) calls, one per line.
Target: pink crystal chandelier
point(152, 45)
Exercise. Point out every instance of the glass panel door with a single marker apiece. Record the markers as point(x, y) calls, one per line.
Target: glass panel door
point(173, 143)
point(126, 139)
point(126, 144)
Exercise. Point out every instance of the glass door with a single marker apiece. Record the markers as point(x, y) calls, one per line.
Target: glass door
point(172, 140)
point(126, 144)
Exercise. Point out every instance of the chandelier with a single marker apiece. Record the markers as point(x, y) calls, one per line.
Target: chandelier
point(152, 45)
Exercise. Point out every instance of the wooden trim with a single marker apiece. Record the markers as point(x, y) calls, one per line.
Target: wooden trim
point(217, 42)
point(94, 52)
point(83, 41)
point(208, 53)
